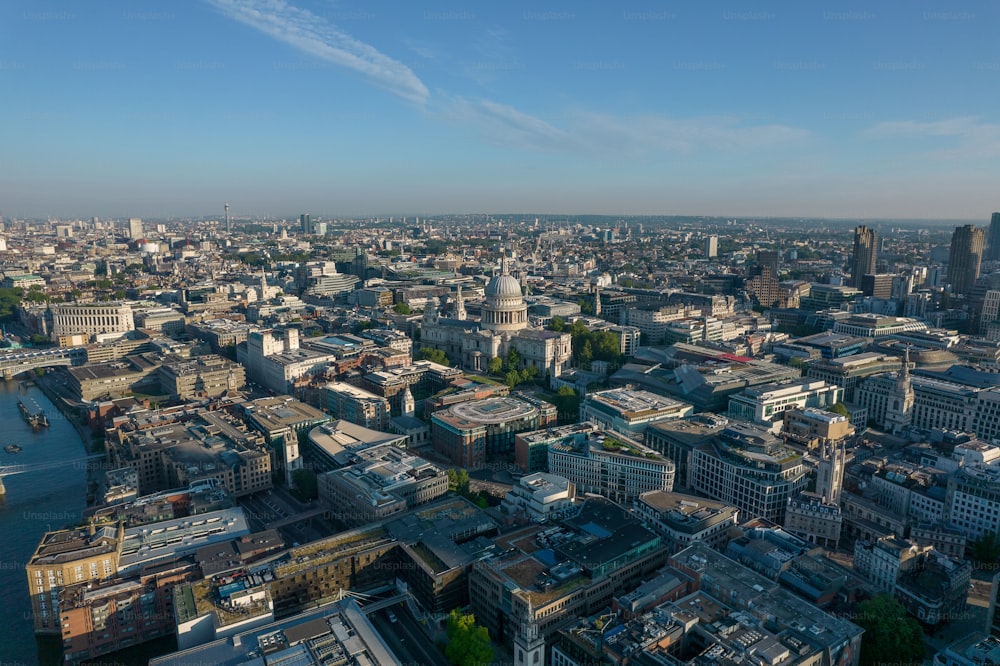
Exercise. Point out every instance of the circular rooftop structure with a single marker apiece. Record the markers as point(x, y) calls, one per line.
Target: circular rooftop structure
point(492, 410)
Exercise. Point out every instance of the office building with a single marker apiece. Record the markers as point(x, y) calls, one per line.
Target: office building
point(677, 440)
point(766, 404)
point(964, 258)
point(992, 252)
point(337, 633)
point(865, 249)
point(618, 469)
point(348, 402)
point(711, 247)
point(134, 228)
point(683, 519)
point(305, 223)
point(282, 419)
point(385, 482)
point(876, 285)
point(471, 433)
point(539, 497)
point(751, 469)
point(91, 319)
point(630, 412)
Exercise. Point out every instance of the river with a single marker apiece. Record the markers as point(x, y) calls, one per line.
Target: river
point(36, 502)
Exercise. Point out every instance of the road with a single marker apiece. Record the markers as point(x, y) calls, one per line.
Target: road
point(405, 637)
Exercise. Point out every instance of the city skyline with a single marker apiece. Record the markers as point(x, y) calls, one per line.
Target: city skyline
point(159, 109)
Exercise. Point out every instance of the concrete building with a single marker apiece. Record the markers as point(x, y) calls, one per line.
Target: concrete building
point(91, 319)
point(208, 376)
point(964, 258)
point(174, 450)
point(348, 402)
point(385, 482)
point(848, 372)
point(793, 626)
point(814, 519)
point(542, 576)
point(677, 440)
point(275, 361)
point(338, 631)
point(618, 469)
point(337, 444)
point(869, 325)
point(630, 412)
point(683, 519)
point(765, 405)
point(282, 420)
point(812, 427)
point(539, 497)
point(749, 468)
point(882, 561)
point(865, 252)
point(471, 433)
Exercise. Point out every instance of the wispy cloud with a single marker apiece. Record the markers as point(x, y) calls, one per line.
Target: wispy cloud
point(314, 35)
point(604, 134)
point(974, 138)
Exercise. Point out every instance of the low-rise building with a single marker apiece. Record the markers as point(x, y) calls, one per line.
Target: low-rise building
point(385, 482)
point(616, 468)
point(766, 404)
point(282, 420)
point(630, 412)
point(348, 402)
point(684, 519)
point(471, 433)
point(539, 496)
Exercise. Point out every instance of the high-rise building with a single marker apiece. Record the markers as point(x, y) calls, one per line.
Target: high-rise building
point(865, 248)
point(964, 258)
point(711, 247)
point(993, 239)
point(305, 223)
point(768, 258)
point(134, 228)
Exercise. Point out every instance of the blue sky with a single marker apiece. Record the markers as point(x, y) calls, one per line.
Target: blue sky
point(153, 108)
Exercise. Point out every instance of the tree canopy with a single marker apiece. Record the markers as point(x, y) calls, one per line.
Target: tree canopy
point(9, 300)
point(891, 636)
point(434, 355)
point(468, 643)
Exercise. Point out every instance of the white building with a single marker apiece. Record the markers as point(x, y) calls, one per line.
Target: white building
point(539, 496)
point(618, 469)
point(91, 319)
point(766, 404)
point(275, 361)
point(629, 411)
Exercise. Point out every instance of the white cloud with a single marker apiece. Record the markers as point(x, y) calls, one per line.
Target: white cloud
point(314, 35)
point(596, 134)
point(973, 137)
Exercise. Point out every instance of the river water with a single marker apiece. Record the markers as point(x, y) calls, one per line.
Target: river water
point(36, 502)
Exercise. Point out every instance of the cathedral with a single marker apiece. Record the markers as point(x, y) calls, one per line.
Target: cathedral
point(502, 327)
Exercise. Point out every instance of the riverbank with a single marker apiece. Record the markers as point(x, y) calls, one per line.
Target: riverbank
point(75, 416)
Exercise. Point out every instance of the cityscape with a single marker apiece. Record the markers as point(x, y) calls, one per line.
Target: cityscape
point(374, 334)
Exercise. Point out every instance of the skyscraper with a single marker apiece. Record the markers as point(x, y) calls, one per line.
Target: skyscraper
point(305, 222)
point(134, 228)
point(993, 239)
point(863, 261)
point(711, 247)
point(964, 258)
point(768, 258)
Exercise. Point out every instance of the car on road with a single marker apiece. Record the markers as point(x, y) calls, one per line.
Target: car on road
point(392, 616)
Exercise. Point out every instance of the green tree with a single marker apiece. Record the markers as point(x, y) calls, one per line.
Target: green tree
point(986, 549)
point(891, 636)
point(567, 401)
point(434, 355)
point(839, 408)
point(513, 359)
point(512, 378)
point(9, 300)
point(586, 354)
point(458, 481)
point(468, 643)
point(557, 324)
point(496, 366)
point(305, 483)
point(401, 308)
point(36, 295)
